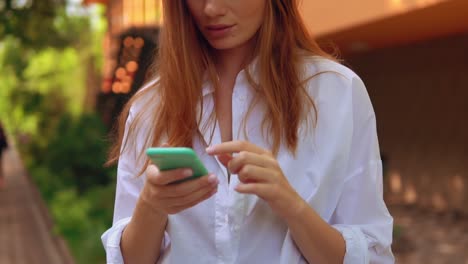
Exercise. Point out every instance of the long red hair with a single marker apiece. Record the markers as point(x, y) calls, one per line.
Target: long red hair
point(184, 57)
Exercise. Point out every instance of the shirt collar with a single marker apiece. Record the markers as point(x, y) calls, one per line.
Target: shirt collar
point(252, 68)
point(207, 86)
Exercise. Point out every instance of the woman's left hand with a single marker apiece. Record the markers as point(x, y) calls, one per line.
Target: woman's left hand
point(259, 174)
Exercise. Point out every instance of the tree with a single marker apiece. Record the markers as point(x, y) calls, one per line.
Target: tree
point(31, 21)
point(48, 51)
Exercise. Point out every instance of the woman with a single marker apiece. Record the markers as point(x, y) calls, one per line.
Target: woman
point(289, 136)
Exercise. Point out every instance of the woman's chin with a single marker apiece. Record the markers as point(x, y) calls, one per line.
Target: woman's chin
point(223, 44)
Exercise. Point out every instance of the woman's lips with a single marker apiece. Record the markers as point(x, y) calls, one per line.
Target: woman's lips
point(218, 31)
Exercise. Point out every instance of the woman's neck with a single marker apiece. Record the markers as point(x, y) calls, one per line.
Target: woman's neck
point(231, 61)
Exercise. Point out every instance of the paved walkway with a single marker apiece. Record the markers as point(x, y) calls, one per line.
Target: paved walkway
point(430, 238)
point(25, 227)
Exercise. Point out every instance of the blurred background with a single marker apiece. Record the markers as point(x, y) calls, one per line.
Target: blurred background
point(68, 67)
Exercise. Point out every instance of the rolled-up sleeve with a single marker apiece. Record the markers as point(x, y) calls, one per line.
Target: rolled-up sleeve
point(363, 219)
point(129, 183)
point(128, 190)
point(361, 215)
point(111, 240)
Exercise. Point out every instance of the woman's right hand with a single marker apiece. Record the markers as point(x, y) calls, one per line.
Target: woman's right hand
point(165, 198)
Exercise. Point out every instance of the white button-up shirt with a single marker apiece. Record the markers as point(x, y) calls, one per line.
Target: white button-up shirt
point(337, 170)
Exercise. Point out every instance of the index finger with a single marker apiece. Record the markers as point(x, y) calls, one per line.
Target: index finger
point(235, 147)
point(155, 176)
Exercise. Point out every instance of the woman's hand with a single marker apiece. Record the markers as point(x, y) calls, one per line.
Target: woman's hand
point(259, 174)
point(166, 198)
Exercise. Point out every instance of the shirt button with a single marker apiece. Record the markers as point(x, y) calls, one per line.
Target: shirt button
point(226, 219)
point(242, 98)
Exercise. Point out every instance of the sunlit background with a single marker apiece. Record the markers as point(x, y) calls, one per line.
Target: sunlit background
point(68, 67)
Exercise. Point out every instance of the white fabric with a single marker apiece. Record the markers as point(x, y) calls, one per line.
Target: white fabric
point(337, 170)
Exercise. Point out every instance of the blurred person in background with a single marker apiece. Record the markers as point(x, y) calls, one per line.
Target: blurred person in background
point(288, 133)
point(3, 147)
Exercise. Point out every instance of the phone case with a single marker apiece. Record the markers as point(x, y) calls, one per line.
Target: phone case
point(177, 158)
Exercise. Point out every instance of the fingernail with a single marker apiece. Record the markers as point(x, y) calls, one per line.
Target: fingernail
point(187, 173)
point(212, 178)
point(209, 149)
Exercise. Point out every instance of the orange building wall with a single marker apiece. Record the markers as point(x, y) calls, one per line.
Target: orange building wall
point(419, 93)
point(324, 17)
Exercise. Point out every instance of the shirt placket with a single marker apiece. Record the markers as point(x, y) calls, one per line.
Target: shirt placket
point(221, 227)
point(230, 205)
point(236, 213)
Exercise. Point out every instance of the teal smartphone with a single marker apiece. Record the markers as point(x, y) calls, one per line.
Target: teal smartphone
point(177, 158)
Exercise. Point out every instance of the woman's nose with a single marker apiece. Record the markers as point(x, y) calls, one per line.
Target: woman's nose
point(215, 8)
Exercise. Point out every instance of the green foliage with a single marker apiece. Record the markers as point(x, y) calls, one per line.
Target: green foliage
point(38, 86)
point(70, 213)
point(78, 151)
point(43, 23)
point(50, 68)
point(80, 191)
point(80, 219)
point(45, 52)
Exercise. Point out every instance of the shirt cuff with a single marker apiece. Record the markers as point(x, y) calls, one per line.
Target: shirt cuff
point(357, 251)
point(111, 241)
